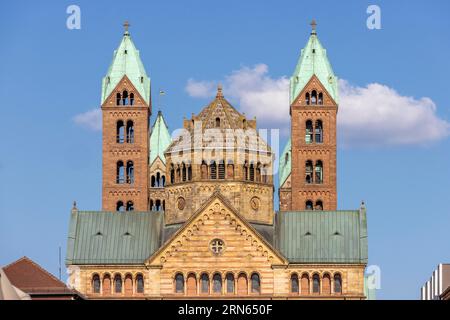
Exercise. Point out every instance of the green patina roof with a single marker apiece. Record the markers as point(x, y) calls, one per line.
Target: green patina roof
point(126, 61)
point(313, 61)
point(285, 163)
point(160, 139)
point(99, 237)
point(322, 237)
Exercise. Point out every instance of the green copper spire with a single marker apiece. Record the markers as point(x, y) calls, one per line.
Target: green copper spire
point(159, 139)
point(126, 61)
point(313, 61)
point(285, 163)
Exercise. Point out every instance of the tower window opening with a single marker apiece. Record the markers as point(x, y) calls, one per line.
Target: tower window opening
point(258, 172)
point(245, 168)
point(139, 283)
point(119, 206)
point(118, 284)
point(316, 284)
point(314, 97)
point(217, 283)
point(158, 206)
point(131, 99)
point(130, 131)
point(204, 283)
point(319, 132)
point(309, 172)
point(213, 170)
point(256, 283)
point(157, 179)
point(217, 122)
point(130, 206)
point(120, 133)
point(307, 99)
point(230, 283)
point(294, 284)
point(118, 99)
point(184, 171)
point(125, 98)
point(120, 174)
point(189, 172)
point(163, 181)
point(319, 205)
point(130, 172)
point(221, 169)
point(153, 181)
point(337, 283)
point(172, 174)
point(204, 170)
point(309, 132)
point(230, 170)
point(309, 205)
point(252, 172)
point(179, 283)
point(96, 283)
point(320, 99)
point(178, 174)
point(318, 172)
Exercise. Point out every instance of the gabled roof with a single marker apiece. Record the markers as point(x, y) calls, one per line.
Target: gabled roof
point(322, 236)
point(101, 237)
point(313, 61)
point(30, 277)
point(285, 163)
point(160, 139)
point(126, 61)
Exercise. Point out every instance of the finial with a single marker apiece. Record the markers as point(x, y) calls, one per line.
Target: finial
point(313, 26)
point(363, 205)
point(219, 91)
point(74, 208)
point(126, 25)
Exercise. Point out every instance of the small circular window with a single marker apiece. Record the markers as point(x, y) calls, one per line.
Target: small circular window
point(217, 246)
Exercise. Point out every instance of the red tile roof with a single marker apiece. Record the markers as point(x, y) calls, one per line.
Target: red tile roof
point(30, 277)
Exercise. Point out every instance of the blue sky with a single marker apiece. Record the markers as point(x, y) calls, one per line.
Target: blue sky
point(49, 75)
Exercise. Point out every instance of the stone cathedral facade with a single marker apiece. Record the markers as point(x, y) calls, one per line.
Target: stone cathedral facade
point(193, 216)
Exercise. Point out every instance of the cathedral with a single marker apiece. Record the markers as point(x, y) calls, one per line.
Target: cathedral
point(192, 215)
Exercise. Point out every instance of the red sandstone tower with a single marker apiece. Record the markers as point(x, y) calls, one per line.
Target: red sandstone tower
point(126, 109)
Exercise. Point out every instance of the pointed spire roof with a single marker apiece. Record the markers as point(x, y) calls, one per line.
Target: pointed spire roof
point(126, 61)
point(313, 61)
point(160, 139)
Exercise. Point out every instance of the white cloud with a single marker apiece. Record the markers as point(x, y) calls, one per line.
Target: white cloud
point(91, 119)
point(374, 115)
point(200, 89)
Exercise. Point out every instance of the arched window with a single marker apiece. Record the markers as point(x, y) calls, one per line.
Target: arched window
point(309, 132)
point(120, 206)
point(204, 170)
point(106, 284)
point(153, 181)
point(158, 179)
point(130, 206)
point(191, 284)
point(318, 177)
point(117, 284)
point(337, 283)
point(152, 205)
point(178, 174)
point(316, 284)
point(258, 172)
point(139, 283)
point(118, 99)
point(158, 205)
point(326, 284)
point(217, 283)
point(128, 285)
point(245, 168)
point(131, 99)
point(256, 284)
point(242, 284)
point(204, 281)
point(164, 205)
point(244, 124)
point(320, 100)
point(307, 99)
point(221, 169)
point(163, 181)
point(252, 171)
point(314, 97)
point(305, 284)
point(230, 170)
point(309, 205)
point(130, 131)
point(230, 283)
point(319, 132)
point(189, 172)
point(172, 174)
point(120, 174)
point(130, 172)
point(184, 171)
point(294, 284)
point(309, 172)
point(96, 283)
point(213, 170)
point(217, 122)
point(120, 137)
point(264, 174)
point(179, 283)
point(319, 205)
point(125, 98)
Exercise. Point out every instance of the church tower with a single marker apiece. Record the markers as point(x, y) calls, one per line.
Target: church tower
point(126, 109)
point(308, 163)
